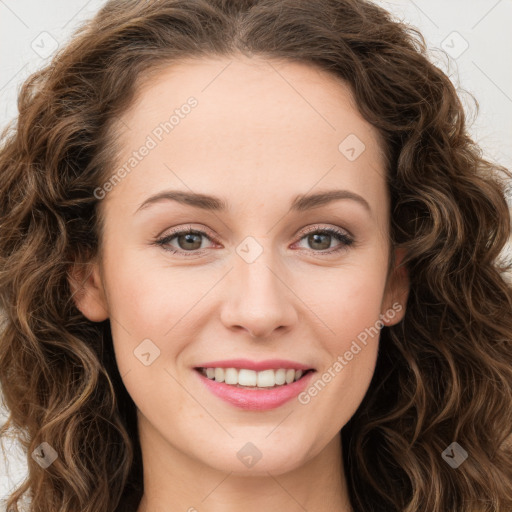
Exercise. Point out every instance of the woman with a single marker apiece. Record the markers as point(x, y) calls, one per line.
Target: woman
point(253, 368)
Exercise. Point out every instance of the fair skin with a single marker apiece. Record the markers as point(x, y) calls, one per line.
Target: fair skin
point(262, 133)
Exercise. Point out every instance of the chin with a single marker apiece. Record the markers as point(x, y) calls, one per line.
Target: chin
point(256, 458)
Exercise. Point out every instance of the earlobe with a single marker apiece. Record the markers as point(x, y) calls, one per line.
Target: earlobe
point(397, 292)
point(87, 291)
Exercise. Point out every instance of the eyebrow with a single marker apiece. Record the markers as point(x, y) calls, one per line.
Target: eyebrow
point(300, 203)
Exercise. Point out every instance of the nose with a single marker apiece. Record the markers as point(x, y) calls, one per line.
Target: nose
point(257, 298)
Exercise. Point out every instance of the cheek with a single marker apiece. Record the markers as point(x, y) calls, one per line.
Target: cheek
point(349, 301)
point(145, 295)
point(144, 304)
point(351, 309)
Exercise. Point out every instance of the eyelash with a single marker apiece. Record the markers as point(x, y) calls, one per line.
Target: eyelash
point(346, 240)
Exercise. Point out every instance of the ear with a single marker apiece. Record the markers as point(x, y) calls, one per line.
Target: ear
point(87, 291)
point(396, 293)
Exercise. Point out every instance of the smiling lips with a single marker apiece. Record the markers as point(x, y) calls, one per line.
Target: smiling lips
point(255, 385)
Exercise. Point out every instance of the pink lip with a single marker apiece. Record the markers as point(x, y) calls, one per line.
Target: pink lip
point(258, 366)
point(255, 399)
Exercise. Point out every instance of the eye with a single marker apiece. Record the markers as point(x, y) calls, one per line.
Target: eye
point(320, 238)
point(189, 241)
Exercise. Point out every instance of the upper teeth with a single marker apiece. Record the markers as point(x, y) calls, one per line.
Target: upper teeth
point(243, 377)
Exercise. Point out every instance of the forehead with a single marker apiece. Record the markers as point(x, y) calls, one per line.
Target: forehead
point(256, 125)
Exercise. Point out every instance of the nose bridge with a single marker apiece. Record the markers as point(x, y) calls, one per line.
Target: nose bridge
point(258, 279)
point(256, 271)
point(258, 298)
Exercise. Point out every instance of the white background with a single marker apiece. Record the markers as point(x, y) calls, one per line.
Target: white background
point(31, 29)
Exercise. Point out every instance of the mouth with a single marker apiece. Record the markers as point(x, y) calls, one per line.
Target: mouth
point(257, 380)
point(252, 390)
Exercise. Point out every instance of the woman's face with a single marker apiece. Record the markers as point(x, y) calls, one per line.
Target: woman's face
point(257, 279)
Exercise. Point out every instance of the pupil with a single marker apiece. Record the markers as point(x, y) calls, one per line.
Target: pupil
point(320, 235)
point(189, 238)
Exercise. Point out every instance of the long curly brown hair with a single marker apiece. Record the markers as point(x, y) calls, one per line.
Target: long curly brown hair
point(444, 373)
